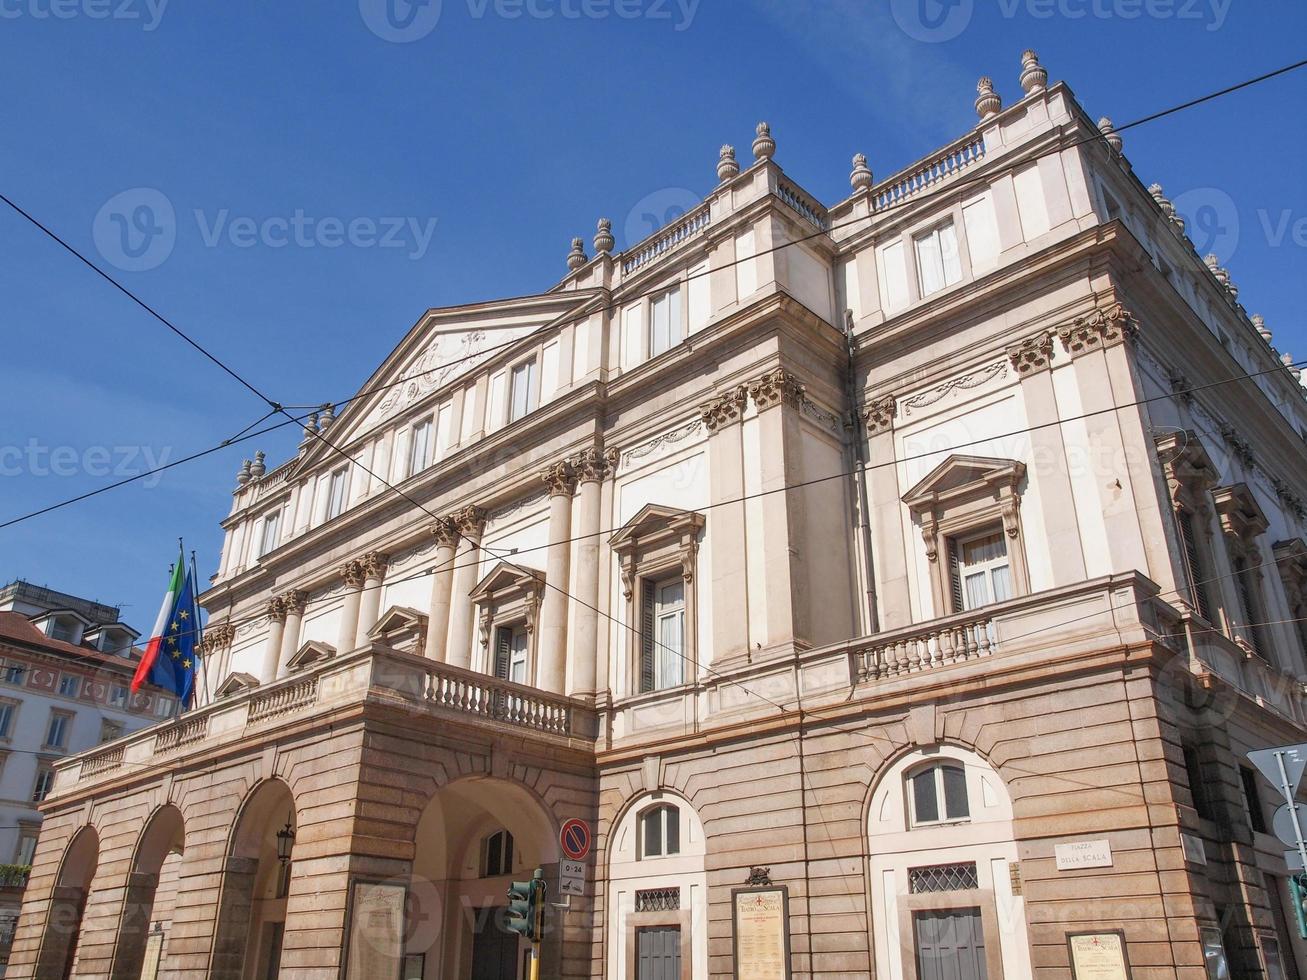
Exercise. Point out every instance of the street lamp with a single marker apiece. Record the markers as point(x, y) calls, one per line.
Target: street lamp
point(285, 841)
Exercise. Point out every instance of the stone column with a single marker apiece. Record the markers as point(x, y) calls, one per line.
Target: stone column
point(551, 674)
point(294, 601)
point(442, 585)
point(272, 650)
point(374, 572)
point(591, 467)
point(347, 632)
point(728, 563)
point(470, 522)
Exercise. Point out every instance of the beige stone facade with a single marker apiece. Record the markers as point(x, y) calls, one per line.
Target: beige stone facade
point(911, 555)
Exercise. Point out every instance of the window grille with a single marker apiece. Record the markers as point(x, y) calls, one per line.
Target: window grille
point(943, 878)
point(658, 900)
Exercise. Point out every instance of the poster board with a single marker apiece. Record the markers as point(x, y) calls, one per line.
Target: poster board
point(153, 955)
point(1098, 955)
point(761, 932)
point(375, 929)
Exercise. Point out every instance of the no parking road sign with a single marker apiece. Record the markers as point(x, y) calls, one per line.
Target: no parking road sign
point(575, 839)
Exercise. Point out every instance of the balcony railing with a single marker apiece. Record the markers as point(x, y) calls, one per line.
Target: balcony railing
point(935, 644)
point(486, 697)
point(953, 159)
point(665, 240)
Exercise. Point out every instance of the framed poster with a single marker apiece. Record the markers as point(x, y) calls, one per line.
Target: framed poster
point(374, 933)
point(153, 955)
point(1098, 955)
point(761, 920)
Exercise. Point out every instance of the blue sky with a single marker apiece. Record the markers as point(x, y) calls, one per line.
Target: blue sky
point(451, 158)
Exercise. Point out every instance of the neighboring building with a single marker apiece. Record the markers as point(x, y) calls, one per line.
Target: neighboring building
point(961, 644)
point(65, 669)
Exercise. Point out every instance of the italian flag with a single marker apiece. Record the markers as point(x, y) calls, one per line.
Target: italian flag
point(166, 614)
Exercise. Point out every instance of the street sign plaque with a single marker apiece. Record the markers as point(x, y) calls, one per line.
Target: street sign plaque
point(575, 839)
point(571, 877)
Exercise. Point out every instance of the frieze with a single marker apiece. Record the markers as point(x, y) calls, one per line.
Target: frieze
point(966, 382)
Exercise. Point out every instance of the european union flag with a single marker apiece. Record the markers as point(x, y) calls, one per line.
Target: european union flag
point(178, 659)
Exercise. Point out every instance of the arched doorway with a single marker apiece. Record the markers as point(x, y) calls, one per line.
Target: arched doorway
point(256, 880)
point(151, 885)
point(942, 852)
point(474, 838)
point(63, 924)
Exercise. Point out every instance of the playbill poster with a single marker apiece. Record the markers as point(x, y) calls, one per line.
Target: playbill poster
point(376, 933)
point(761, 934)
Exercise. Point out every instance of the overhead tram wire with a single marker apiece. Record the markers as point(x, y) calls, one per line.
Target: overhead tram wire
point(915, 200)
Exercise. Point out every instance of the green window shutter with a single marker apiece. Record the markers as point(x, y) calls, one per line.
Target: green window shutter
point(955, 576)
point(1193, 568)
point(646, 636)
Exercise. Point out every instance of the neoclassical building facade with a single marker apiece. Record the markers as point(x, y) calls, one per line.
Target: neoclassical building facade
point(894, 587)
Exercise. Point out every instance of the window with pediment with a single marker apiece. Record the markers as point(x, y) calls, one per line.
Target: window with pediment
point(969, 511)
point(1291, 563)
point(1190, 476)
point(508, 600)
point(1242, 524)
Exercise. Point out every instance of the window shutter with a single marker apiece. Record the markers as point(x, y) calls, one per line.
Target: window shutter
point(955, 576)
point(646, 636)
point(503, 642)
point(1192, 567)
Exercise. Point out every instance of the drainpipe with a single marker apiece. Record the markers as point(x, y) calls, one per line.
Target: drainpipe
point(860, 471)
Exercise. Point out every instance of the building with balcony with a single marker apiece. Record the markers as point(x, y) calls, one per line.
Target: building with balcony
point(932, 558)
point(66, 664)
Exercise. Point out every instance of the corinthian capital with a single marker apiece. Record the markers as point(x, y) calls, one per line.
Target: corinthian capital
point(1032, 354)
point(470, 521)
point(775, 388)
point(724, 409)
point(593, 464)
point(294, 601)
point(352, 573)
point(374, 564)
point(880, 414)
point(559, 479)
point(445, 531)
point(276, 609)
point(1102, 328)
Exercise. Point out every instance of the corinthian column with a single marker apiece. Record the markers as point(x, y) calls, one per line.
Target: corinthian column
point(272, 650)
point(374, 571)
point(591, 468)
point(470, 522)
point(552, 672)
point(347, 632)
point(442, 584)
point(293, 601)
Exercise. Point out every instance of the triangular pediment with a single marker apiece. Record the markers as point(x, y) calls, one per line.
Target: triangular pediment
point(236, 683)
point(446, 344)
point(397, 618)
point(504, 577)
point(313, 652)
point(961, 472)
point(655, 519)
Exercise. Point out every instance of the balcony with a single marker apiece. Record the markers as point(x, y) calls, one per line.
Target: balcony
point(432, 694)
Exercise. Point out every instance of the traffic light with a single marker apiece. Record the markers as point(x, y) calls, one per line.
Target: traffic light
point(526, 907)
point(1298, 894)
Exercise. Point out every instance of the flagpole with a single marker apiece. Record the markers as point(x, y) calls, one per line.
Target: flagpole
point(201, 654)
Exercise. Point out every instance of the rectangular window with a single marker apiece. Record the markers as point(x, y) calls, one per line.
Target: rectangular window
point(525, 390)
point(982, 572)
point(1197, 787)
point(26, 849)
point(512, 654)
point(271, 532)
point(56, 733)
point(1252, 798)
point(15, 673)
point(110, 730)
point(7, 711)
point(336, 493)
point(664, 322)
point(663, 647)
point(1193, 566)
point(1246, 585)
point(69, 685)
point(118, 695)
point(938, 263)
point(44, 782)
point(419, 447)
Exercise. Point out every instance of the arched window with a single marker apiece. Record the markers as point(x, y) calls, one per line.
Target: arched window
point(497, 854)
point(937, 793)
point(660, 831)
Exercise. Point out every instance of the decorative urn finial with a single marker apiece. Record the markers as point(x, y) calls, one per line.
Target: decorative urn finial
point(1287, 360)
point(860, 178)
point(327, 417)
point(603, 240)
point(576, 258)
point(764, 147)
point(243, 474)
point(1162, 202)
point(987, 102)
point(1034, 76)
point(257, 468)
point(1259, 324)
point(727, 165)
point(310, 427)
point(1110, 135)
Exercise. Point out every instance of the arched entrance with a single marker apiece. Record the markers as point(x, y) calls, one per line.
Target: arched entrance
point(473, 838)
point(63, 924)
point(151, 884)
point(256, 880)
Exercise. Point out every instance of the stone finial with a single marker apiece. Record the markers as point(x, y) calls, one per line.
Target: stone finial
point(1213, 263)
point(310, 427)
point(258, 467)
point(860, 178)
point(243, 474)
point(1034, 76)
point(327, 417)
point(1287, 360)
point(577, 257)
point(1259, 324)
point(727, 165)
point(603, 240)
point(764, 147)
point(1110, 135)
point(987, 102)
point(1163, 202)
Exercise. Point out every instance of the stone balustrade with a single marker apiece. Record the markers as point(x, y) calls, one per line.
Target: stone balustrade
point(802, 203)
point(935, 169)
point(666, 239)
point(936, 644)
